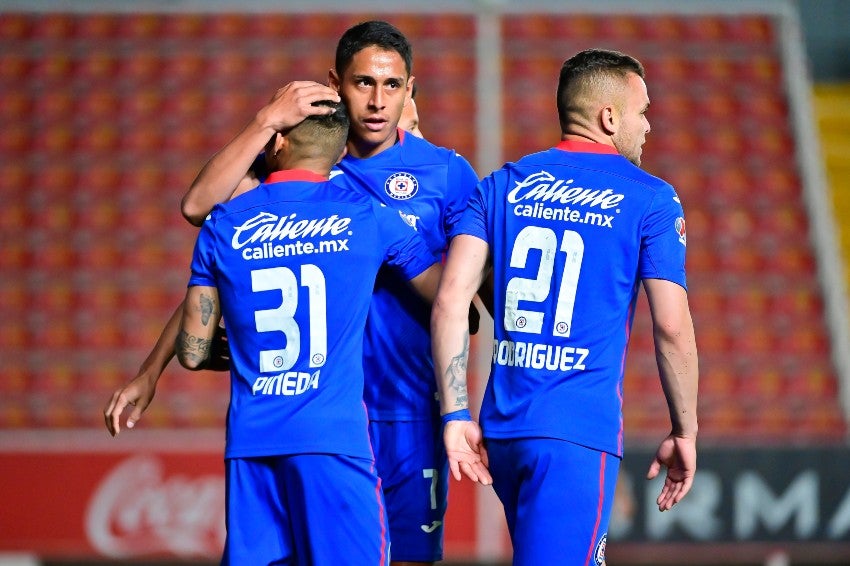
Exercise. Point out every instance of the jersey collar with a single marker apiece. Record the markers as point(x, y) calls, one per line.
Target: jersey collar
point(586, 147)
point(295, 175)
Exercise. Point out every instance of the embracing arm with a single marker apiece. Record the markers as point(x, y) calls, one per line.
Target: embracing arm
point(226, 173)
point(201, 315)
point(678, 368)
point(140, 391)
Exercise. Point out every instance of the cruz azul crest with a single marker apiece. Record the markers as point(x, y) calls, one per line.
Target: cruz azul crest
point(401, 186)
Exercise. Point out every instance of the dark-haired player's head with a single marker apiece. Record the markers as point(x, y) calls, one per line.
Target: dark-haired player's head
point(374, 33)
point(603, 91)
point(372, 73)
point(316, 144)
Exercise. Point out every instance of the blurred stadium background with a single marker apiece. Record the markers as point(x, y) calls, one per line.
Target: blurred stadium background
point(108, 109)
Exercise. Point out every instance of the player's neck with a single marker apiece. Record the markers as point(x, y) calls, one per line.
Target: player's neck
point(318, 166)
point(587, 137)
point(363, 149)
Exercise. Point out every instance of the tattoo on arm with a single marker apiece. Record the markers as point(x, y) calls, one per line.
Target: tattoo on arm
point(193, 347)
point(208, 307)
point(456, 372)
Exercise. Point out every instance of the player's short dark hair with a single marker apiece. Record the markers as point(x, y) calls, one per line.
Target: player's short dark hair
point(590, 67)
point(322, 135)
point(336, 120)
point(372, 33)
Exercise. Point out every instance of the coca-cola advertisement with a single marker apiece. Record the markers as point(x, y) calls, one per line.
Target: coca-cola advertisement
point(112, 503)
point(81, 495)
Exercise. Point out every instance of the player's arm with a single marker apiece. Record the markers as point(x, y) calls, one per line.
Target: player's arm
point(462, 276)
point(140, 391)
point(201, 315)
point(678, 368)
point(227, 172)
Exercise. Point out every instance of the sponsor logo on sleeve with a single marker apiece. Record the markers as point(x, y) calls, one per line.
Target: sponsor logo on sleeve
point(680, 230)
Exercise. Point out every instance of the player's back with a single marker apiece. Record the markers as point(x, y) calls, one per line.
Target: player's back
point(295, 262)
point(571, 234)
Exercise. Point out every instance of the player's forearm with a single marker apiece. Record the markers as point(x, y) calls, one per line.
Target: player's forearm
point(450, 350)
point(163, 350)
point(678, 366)
point(200, 318)
point(222, 174)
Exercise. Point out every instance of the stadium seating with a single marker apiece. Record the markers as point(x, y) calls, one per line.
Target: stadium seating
point(96, 253)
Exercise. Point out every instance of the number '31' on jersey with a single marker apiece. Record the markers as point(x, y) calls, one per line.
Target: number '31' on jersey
point(294, 261)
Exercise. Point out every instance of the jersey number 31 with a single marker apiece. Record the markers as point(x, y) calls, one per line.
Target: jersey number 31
point(282, 318)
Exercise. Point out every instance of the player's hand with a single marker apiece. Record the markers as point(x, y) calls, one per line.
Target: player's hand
point(294, 102)
point(466, 452)
point(219, 359)
point(138, 393)
point(679, 455)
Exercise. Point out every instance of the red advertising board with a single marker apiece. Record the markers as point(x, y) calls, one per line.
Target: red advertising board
point(82, 494)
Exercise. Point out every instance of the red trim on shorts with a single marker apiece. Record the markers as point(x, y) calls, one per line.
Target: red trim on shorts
point(598, 510)
point(383, 522)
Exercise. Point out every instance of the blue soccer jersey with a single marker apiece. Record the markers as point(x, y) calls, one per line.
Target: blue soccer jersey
point(572, 231)
point(430, 185)
point(294, 262)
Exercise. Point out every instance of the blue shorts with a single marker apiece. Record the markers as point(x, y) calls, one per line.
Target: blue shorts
point(411, 461)
point(304, 509)
point(557, 497)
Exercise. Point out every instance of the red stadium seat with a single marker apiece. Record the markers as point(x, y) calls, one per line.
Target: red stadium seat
point(52, 26)
point(144, 99)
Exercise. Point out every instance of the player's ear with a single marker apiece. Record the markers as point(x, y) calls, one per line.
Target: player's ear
point(333, 80)
point(343, 154)
point(410, 81)
point(276, 144)
point(609, 120)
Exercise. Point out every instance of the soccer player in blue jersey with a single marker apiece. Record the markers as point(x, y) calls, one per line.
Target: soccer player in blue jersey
point(570, 234)
point(291, 266)
point(429, 185)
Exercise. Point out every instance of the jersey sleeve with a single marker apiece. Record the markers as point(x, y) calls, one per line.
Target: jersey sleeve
point(203, 257)
point(406, 250)
point(473, 221)
point(663, 239)
point(462, 181)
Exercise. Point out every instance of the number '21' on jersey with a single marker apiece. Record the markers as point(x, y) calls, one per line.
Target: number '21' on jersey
point(572, 232)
